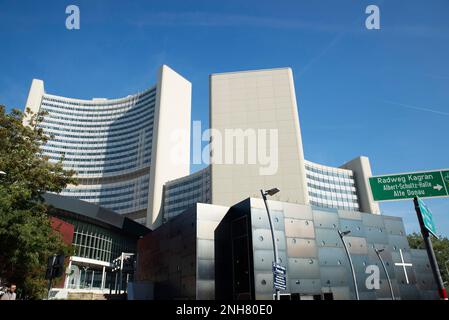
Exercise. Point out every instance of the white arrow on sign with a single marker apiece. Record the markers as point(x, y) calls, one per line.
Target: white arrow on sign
point(438, 187)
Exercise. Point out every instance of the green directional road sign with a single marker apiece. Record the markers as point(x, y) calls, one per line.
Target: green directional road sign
point(427, 218)
point(410, 185)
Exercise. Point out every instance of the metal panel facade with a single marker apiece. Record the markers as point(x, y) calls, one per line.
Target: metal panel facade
point(315, 259)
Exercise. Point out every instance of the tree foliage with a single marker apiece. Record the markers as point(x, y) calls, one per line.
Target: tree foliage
point(441, 248)
point(26, 236)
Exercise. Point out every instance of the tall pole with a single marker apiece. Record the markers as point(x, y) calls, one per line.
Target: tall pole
point(121, 273)
point(275, 248)
point(92, 280)
point(386, 272)
point(110, 283)
point(447, 270)
point(85, 277)
point(50, 281)
point(354, 279)
point(127, 279)
point(430, 253)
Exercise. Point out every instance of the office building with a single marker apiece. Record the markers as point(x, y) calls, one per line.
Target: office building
point(97, 236)
point(246, 108)
point(185, 192)
point(120, 148)
point(122, 152)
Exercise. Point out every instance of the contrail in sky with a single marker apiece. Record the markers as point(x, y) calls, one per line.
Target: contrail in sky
point(416, 107)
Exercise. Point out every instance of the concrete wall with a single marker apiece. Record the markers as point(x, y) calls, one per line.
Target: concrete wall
point(34, 98)
point(263, 99)
point(361, 168)
point(170, 158)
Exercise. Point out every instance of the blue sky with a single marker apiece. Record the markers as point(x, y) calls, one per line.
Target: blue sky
point(380, 93)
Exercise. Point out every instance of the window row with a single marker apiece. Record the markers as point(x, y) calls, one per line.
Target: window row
point(175, 185)
point(106, 168)
point(108, 162)
point(131, 144)
point(107, 103)
point(102, 122)
point(331, 173)
point(333, 197)
point(187, 188)
point(87, 194)
point(63, 125)
point(340, 207)
point(103, 188)
point(335, 190)
point(97, 134)
point(197, 194)
point(63, 109)
point(91, 158)
point(102, 171)
point(341, 183)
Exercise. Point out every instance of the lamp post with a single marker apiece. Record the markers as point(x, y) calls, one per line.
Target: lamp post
point(121, 272)
point(447, 270)
point(378, 251)
point(271, 192)
point(85, 276)
point(354, 279)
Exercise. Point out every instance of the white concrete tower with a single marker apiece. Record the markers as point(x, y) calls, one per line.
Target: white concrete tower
point(254, 101)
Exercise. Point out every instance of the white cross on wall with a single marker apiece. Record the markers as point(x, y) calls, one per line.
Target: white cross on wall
point(403, 265)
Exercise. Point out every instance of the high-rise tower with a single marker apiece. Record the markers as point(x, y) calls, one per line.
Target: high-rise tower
point(121, 149)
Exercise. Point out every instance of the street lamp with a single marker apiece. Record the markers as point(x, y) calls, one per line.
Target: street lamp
point(378, 251)
point(271, 192)
point(342, 235)
point(85, 276)
point(447, 270)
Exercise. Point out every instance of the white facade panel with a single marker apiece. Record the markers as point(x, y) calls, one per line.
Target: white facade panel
point(257, 100)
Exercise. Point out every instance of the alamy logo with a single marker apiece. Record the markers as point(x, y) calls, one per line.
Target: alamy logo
point(372, 22)
point(372, 282)
point(234, 146)
point(73, 20)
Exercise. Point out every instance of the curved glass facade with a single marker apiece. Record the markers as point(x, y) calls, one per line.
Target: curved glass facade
point(95, 242)
point(108, 143)
point(185, 192)
point(331, 187)
point(120, 149)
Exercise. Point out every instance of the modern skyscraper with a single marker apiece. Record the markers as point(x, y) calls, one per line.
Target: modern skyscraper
point(121, 149)
point(248, 109)
point(132, 154)
point(261, 103)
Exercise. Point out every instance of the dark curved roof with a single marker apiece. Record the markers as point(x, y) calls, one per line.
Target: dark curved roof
point(96, 214)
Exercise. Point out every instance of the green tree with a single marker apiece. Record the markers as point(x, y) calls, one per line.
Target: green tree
point(26, 236)
point(441, 248)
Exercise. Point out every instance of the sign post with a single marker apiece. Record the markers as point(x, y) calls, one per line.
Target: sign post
point(279, 277)
point(50, 273)
point(427, 228)
point(55, 269)
point(409, 185)
point(416, 185)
